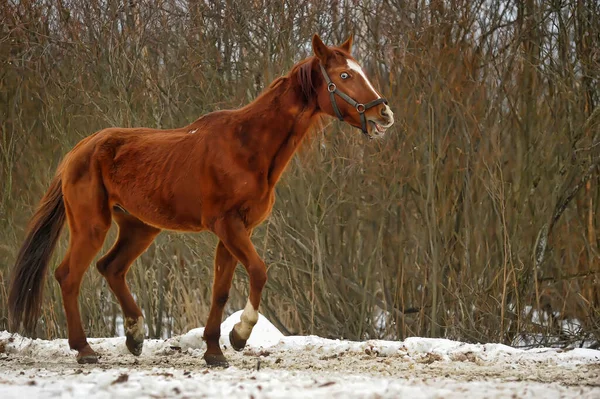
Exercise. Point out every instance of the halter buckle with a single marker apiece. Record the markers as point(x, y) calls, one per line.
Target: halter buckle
point(331, 87)
point(360, 108)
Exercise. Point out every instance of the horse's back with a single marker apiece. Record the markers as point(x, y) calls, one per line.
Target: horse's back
point(105, 145)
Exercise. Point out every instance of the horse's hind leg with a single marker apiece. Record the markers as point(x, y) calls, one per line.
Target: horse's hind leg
point(89, 221)
point(134, 238)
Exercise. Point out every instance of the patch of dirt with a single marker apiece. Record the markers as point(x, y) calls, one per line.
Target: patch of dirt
point(122, 378)
point(329, 370)
point(463, 367)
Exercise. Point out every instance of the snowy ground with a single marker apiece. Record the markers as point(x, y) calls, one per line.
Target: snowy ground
point(274, 366)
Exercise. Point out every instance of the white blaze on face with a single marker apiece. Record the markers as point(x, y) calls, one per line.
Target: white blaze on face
point(356, 68)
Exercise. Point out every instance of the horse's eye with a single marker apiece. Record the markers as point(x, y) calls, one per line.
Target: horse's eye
point(344, 75)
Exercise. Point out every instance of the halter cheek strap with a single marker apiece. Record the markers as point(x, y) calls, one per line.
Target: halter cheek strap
point(360, 108)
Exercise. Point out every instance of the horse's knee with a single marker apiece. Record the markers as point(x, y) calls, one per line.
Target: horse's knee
point(97, 234)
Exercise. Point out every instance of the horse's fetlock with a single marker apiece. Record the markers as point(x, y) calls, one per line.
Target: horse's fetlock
point(78, 344)
point(134, 332)
point(134, 328)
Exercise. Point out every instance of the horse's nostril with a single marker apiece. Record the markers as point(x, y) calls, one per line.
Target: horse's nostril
point(384, 111)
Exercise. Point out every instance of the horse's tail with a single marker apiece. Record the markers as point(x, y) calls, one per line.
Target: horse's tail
point(27, 285)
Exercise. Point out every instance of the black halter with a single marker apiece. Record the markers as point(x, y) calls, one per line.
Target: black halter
point(360, 108)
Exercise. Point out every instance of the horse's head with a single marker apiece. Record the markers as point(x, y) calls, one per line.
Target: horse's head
point(347, 93)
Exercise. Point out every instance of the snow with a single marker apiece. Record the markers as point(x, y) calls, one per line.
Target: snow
point(276, 366)
point(264, 334)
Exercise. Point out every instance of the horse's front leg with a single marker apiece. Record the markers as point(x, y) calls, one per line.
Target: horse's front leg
point(234, 234)
point(225, 265)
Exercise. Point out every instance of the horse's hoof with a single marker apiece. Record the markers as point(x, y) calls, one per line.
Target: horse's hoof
point(215, 360)
point(134, 346)
point(237, 343)
point(87, 356)
point(87, 359)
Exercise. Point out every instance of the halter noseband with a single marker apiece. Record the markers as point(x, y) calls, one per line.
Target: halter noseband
point(360, 108)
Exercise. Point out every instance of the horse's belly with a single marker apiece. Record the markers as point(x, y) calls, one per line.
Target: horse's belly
point(167, 216)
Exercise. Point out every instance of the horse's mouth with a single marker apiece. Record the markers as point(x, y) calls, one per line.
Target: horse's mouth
point(377, 130)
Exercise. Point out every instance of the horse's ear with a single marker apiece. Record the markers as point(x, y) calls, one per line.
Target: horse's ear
point(347, 45)
point(320, 49)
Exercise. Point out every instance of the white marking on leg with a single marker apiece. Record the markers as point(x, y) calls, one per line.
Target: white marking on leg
point(135, 328)
point(248, 319)
point(356, 68)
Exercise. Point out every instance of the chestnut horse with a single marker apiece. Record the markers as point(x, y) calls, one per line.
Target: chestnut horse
point(216, 174)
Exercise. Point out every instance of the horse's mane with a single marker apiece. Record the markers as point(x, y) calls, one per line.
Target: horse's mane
point(302, 73)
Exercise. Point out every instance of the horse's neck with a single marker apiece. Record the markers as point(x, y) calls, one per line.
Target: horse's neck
point(280, 135)
point(289, 146)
